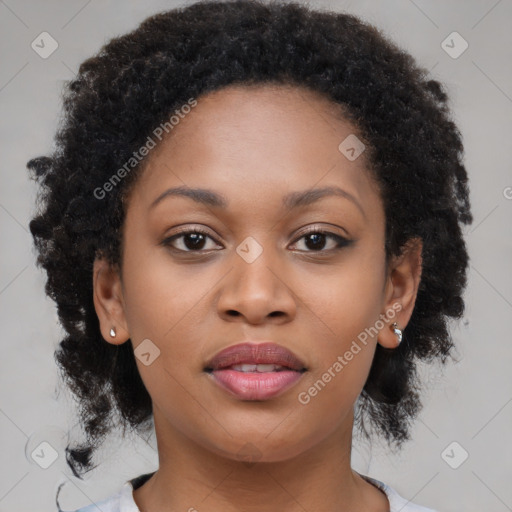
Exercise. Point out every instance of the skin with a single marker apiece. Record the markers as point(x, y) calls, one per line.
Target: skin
point(254, 145)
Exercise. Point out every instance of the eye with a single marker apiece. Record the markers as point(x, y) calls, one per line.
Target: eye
point(193, 240)
point(316, 239)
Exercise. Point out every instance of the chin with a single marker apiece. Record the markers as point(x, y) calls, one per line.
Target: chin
point(258, 448)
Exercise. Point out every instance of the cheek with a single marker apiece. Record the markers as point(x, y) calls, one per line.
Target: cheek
point(348, 298)
point(166, 303)
point(160, 301)
point(344, 309)
point(159, 293)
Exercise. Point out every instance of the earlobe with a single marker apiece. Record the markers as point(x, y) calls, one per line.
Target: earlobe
point(404, 276)
point(108, 302)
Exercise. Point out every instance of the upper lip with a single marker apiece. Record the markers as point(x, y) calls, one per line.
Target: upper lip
point(255, 353)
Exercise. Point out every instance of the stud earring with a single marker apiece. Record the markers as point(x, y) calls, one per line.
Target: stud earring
point(397, 331)
point(112, 332)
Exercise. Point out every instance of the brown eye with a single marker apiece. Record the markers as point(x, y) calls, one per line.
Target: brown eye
point(193, 240)
point(315, 240)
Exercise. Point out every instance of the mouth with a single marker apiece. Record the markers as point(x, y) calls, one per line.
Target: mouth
point(252, 371)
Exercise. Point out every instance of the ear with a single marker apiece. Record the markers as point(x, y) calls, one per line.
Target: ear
point(401, 289)
point(108, 301)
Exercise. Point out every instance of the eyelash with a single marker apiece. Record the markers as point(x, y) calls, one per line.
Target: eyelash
point(340, 240)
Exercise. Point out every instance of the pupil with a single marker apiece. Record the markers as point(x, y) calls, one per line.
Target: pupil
point(318, 240)
point(198, 240)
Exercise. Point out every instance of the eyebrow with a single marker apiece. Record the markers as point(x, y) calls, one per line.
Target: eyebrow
point(292, 200)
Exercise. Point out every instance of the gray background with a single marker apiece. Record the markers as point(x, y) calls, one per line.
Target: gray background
point(469, 404)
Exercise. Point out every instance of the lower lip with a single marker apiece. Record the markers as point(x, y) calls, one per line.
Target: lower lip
point(254, 385)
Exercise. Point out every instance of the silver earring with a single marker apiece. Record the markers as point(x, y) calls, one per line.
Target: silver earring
point(397, 331)
point(112, 332)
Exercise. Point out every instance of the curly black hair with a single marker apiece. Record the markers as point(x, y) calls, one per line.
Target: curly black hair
point(132, 85)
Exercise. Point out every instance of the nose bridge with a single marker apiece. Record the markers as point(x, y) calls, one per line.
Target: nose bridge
point(256, 286)
point(256, 265)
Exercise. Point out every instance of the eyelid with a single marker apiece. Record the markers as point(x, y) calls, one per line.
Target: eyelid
point(341, 240)
point(188, 228)
point(322, 229)
point(184, 230)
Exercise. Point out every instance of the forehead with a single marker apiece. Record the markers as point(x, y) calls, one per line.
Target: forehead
point(257, 142)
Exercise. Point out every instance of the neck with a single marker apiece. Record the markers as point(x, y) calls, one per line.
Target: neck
point(192, 478)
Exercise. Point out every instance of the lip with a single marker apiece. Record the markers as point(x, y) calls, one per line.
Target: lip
point(255, 385)
point(255, 353)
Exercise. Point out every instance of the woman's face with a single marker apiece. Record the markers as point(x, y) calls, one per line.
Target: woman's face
point(255, 274)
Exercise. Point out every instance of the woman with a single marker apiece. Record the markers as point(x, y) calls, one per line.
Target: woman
point(251, 226)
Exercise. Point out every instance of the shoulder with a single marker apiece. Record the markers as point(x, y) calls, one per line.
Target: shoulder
point(121, 501)
point(396, 502)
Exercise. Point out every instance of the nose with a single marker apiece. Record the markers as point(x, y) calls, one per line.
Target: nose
point(257, 292)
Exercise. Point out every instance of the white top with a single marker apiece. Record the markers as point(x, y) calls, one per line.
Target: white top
point(123, 500)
